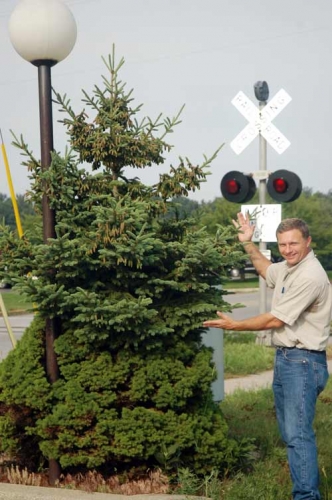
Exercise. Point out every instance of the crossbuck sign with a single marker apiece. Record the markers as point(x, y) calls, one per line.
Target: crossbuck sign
point(260, 122)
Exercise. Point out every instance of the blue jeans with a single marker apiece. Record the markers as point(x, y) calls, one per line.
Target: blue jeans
point(299, 376)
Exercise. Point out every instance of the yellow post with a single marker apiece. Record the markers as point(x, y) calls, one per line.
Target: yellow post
point(11, 189)
point(20, 233)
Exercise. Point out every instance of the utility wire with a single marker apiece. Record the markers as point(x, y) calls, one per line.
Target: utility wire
point(189, 53)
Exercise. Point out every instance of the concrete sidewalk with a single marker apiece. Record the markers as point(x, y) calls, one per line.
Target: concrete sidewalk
point(19, 492)
point(254, 382)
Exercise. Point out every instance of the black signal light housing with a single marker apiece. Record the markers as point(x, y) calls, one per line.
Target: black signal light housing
point(284, 186)
point(237, 187)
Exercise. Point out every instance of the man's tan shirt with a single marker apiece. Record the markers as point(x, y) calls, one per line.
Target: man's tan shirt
point(302, 299)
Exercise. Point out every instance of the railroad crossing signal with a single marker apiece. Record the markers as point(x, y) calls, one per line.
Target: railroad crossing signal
point(260, 122)
point(282, 186)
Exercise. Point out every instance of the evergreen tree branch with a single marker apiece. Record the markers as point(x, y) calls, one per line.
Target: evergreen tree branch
point(23, 146)
point(65, 105)
point(170, 124)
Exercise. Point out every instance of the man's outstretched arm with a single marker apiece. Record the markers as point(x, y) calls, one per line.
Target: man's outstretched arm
point(264, 321)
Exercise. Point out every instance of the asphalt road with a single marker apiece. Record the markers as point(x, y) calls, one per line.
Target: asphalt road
point(18, 325)
point(250, 300)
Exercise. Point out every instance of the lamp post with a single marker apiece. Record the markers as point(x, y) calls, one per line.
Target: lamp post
point(43, 32)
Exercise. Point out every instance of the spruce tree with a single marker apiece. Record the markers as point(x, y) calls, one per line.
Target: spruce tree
point(132, 282)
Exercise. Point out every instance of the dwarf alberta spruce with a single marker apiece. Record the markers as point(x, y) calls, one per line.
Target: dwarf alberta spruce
point(130, 283)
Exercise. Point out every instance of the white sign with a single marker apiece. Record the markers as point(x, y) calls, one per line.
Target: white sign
point(266, 219)
point(266, 253)
point(260, 122)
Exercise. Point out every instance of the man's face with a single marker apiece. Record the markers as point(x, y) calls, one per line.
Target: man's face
point(292, 246)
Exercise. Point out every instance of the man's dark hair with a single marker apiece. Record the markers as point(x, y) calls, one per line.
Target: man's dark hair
point(289, 224)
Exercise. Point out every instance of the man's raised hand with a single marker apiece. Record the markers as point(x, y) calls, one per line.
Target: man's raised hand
point(246, 230)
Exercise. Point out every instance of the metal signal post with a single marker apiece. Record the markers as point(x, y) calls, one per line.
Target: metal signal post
point(262, 201)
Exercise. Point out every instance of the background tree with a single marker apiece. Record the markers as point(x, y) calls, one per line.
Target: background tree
point(30, 216)
point(185, 208)
point(132, 282)
point(217, 212)
point(314, 208)
point(7, 217)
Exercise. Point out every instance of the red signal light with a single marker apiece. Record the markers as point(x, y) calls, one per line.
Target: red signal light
point(280, 185)
point(232, 186)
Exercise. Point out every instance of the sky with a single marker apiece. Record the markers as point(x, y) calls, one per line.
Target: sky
point(199, 53)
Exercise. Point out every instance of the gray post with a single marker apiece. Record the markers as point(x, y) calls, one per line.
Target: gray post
point(214, 337)
point(262, 201)
point(264, 337)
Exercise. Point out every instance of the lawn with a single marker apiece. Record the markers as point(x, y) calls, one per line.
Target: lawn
point(15, 303)
point(264, 474)
point(250, 282)
point(251, 414)
point(242, 356)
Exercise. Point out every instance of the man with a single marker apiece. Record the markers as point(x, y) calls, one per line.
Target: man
point(300, 319)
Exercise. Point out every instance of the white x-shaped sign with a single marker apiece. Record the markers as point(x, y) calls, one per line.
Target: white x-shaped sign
point(260, 122)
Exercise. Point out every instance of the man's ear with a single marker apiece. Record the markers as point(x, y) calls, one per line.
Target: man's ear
point(308, 242)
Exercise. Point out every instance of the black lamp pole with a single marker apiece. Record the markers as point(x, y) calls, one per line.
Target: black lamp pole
point(53, 325)
point(46, 140)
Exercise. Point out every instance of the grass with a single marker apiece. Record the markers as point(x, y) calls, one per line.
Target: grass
point(250, 282)
point(243, 357)
point(15, 303)
point(252, 414)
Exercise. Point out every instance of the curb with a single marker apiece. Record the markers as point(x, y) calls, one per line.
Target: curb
point(20, 492)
